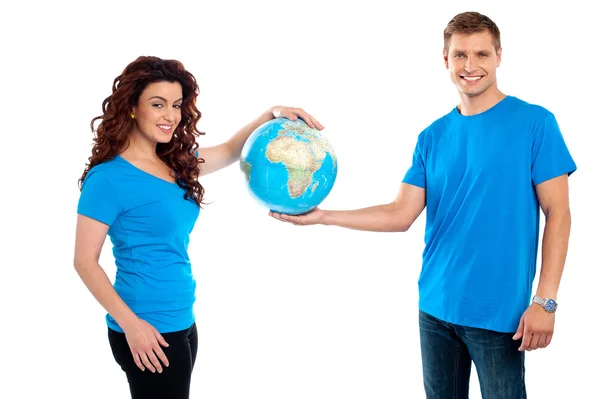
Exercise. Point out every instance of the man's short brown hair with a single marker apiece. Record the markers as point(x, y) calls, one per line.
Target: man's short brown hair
point(471, 22)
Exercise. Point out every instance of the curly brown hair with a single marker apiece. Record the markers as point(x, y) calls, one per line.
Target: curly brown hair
point(471, 22)
point(116, 123)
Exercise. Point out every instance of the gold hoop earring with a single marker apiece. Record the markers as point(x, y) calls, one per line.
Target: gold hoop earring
point(132, 116)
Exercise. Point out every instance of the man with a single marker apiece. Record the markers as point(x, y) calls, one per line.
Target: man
point(483, 171)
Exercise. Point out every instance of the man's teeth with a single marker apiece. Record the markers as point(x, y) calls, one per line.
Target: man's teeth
point(472, 78)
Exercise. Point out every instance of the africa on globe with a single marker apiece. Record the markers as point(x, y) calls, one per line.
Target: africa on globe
point(289, 167)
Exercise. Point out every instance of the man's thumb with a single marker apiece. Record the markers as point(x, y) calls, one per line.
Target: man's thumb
point(519, 332)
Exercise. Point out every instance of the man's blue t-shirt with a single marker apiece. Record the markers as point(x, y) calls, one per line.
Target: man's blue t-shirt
point(482, 227)
point(150, 224)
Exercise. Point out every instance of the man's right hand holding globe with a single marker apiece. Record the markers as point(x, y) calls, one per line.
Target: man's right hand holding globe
point(396, 216)
point(316, 216)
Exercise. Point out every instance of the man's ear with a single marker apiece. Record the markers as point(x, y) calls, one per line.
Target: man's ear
point(445, 53)
point(498, 57)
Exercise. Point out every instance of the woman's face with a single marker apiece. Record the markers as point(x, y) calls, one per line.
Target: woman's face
point(158, 111)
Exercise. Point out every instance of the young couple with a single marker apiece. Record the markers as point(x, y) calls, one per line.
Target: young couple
point(483, 171)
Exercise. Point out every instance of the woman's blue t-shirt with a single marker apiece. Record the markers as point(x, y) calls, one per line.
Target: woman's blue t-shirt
point(150, 224)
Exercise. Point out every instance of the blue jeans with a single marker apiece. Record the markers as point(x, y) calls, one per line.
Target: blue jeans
point(447, 351)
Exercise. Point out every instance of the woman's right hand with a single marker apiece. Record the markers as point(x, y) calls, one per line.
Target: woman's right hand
point(145, 343)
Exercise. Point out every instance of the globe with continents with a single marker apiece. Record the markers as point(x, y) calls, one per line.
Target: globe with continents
point(289, 167)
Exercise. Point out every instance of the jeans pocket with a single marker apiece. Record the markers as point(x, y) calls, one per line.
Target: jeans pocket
point(488, 339)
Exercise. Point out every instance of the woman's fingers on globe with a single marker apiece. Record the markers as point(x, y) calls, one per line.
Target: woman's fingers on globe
point(305, 116)
point(314, 123)
point(318, 124)
point(285, 112)
point(309, 119)
point(293, 114)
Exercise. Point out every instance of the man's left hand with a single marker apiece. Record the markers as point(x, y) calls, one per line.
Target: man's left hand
point(536, 328)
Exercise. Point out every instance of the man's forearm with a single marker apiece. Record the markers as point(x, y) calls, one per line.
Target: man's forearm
point(380, 218)
point(555, 244)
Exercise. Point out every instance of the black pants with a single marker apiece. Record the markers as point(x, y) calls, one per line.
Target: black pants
point(174, 381)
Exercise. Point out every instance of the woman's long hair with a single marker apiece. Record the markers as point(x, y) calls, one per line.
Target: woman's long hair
point(116, 122)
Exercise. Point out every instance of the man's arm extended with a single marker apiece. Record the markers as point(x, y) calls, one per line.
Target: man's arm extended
point(397, 216)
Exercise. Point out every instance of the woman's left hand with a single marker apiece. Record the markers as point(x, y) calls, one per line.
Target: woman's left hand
point(295, 113)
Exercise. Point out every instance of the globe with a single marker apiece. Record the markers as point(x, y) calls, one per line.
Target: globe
point(289, 167)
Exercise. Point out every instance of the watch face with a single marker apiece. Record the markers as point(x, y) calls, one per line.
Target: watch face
point(550, 305)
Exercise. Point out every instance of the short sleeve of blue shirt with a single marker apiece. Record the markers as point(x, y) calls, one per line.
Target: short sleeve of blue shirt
point(550, 156)
point(99, 198)
point(415, 175)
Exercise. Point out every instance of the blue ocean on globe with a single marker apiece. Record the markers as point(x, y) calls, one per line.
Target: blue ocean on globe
point(289, 167)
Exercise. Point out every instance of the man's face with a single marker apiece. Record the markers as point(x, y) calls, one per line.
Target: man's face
point(472, 61)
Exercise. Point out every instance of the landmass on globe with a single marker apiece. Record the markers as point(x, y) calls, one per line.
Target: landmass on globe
point(302, 150)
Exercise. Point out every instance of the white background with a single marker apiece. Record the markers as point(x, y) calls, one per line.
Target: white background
point(282, 311)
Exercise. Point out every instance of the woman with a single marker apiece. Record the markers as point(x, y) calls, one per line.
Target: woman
point(141, 189)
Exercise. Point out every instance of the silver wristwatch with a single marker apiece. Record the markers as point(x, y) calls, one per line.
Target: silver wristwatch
point(548, 304)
